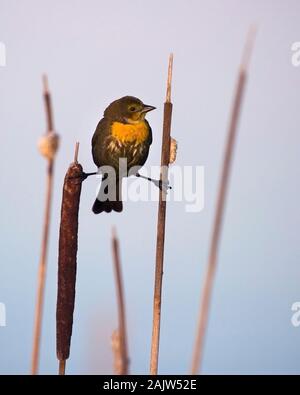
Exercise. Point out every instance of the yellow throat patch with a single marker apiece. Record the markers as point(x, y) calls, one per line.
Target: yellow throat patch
point(128, 133)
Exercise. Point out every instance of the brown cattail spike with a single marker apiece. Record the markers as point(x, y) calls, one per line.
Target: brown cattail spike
point(67, 260)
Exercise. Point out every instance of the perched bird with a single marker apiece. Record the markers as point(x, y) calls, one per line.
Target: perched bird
point(123, 132)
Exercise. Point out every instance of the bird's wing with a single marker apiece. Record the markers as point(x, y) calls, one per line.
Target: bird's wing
point(98, 140)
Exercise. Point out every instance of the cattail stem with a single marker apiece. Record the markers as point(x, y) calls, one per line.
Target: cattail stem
point(44, 247)
point(123, 367)
point(62, 367)
point(217, 226)
point(161, 221)
point(76, 152)
point(48, 106)
point(67, 260)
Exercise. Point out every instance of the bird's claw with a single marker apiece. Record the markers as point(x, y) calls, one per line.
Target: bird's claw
point(162, 185)
point(83, 176)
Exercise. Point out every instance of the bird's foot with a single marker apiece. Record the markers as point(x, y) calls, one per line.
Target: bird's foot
point(162, 185)
point(83, 176)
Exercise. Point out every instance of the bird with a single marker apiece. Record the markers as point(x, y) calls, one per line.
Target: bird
point(123, 132)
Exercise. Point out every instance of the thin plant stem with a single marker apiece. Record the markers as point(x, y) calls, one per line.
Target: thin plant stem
point(76, 152)
point(219, 213)
point(62, 367)
point(161, 222)
point(44, 246)
point(122, 331)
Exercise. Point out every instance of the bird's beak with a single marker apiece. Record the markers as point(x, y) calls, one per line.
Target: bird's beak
point(148, 108)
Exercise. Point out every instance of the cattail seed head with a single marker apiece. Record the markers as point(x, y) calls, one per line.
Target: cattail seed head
point(48, 145)
point(173, 150)
point(67, 260)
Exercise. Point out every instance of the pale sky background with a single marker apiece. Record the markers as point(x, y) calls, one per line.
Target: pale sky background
point(94, 52)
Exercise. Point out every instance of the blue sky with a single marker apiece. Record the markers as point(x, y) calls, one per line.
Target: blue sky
point(97, 51)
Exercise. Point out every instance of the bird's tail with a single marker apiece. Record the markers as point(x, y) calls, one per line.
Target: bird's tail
point(109, 197)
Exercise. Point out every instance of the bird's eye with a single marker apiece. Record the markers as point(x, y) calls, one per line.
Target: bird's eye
point(132, 109)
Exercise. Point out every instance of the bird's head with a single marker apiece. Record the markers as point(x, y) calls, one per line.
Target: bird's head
point(128, 109)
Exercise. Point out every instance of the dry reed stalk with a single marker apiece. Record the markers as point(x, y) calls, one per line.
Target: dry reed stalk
point(116, 348)
point(62, 367)
point(223, 187)
point(161, 222)
point(67, 260)
point(120, 339)
point(48, 146)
